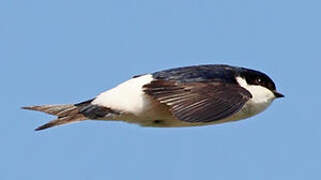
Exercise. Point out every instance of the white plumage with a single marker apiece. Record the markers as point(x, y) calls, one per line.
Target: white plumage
point(261, 98)
point(127, 96)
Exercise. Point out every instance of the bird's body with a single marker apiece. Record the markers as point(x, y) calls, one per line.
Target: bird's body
point(180, 97)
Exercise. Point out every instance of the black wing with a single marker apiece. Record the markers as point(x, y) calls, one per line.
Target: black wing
point(199, 101)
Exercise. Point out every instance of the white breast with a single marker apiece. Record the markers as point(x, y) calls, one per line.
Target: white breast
point(126, 97)
point(261, 98)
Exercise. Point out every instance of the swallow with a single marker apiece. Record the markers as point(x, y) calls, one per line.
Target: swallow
point(179, 97)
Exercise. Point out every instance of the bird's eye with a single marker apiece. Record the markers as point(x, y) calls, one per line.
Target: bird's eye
point(258, 80)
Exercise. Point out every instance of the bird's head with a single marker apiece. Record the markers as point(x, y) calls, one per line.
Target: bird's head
point(255, 80)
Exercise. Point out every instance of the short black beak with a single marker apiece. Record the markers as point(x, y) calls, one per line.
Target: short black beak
point(278, 95)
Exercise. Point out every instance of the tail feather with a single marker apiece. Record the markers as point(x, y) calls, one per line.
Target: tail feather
point(57, 110)
point(66, 113)
point(61, 121)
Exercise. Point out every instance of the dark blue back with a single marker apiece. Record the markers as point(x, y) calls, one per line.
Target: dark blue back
point(200, 73)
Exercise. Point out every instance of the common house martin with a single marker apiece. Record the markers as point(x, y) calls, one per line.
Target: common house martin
point(179, 97)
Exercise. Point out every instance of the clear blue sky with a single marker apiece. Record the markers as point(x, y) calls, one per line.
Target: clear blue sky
point(67, 51)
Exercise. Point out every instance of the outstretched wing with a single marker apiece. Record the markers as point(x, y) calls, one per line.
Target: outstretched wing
point(199, 101)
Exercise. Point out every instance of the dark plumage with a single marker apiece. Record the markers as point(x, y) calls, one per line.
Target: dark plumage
point(214, 73)
point(200, 73)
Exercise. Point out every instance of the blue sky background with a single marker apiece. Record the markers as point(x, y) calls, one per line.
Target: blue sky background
point(67, 51)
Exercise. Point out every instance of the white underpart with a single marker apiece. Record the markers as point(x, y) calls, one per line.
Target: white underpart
point(137, 107)
point(127, 97)
point(261, 98)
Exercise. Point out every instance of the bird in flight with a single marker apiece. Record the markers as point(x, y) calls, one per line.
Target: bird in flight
point(179, 97)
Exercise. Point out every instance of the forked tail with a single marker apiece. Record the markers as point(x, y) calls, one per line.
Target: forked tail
point(67, 113)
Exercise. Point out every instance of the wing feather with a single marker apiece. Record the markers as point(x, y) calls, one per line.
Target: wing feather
point(199, 101)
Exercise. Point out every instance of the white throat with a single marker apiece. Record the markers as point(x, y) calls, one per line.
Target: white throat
point(262, 97)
